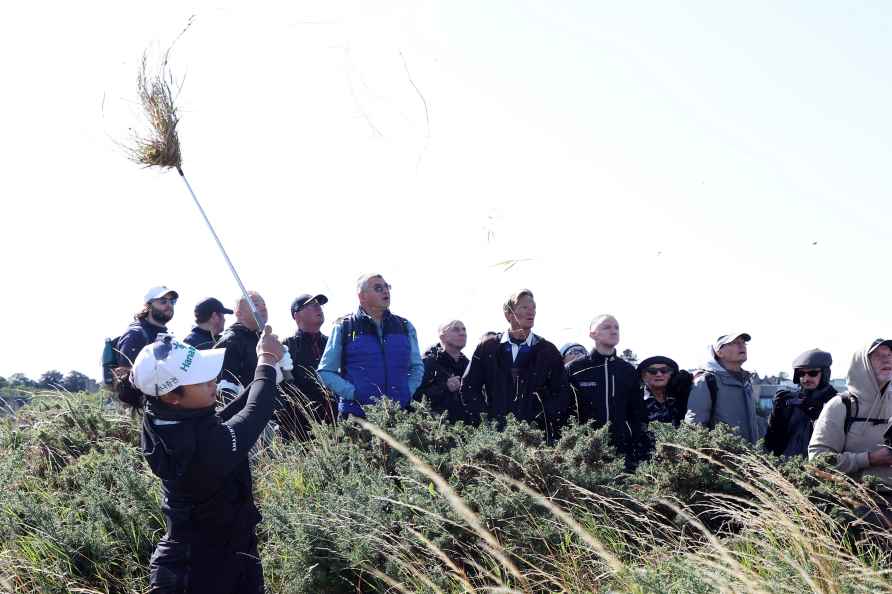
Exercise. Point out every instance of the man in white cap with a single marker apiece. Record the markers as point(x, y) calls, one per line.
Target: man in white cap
point(151, 321)
point(201, 457)
point(723, 390)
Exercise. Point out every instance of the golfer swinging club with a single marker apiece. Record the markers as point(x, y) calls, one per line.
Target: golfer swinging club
point(201, 457)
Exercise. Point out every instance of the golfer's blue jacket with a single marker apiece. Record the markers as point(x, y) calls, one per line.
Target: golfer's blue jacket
point(364, 361)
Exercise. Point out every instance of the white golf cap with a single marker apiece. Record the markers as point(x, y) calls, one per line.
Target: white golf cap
point(168, 363)
point(157, 292)
point(729, 338)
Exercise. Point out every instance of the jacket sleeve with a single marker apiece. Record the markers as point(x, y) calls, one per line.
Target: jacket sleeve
point(330, 367)
point(778, 422)
point(433, 384)
point(231, 370)
point(829, 439)
point(698, 404)
point(416, 367)
point(472, 384)
point(129, 346)
point(228, 443)
point(558, 403)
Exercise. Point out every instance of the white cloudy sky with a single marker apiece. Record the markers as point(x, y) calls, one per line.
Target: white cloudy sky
point(671, 163)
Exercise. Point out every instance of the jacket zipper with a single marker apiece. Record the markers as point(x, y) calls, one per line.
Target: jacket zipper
point(606, 390)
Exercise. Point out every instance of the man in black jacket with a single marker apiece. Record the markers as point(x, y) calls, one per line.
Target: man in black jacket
point(305, 395)
point(209, 323)
point(606, 389)
point(444, 366)
point(201, 457)
point(794, 414)
point(240, 341)
point(517, 372)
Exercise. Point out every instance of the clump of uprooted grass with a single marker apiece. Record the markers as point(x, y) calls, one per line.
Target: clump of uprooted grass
point(159, 144)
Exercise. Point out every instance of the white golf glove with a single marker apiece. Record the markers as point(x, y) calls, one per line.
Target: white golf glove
point(284, 364)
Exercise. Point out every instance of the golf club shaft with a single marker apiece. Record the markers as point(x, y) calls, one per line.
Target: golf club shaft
point(260, 325)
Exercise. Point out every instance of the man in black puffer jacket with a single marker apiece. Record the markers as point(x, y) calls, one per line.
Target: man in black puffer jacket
point(201, 457)
point(240, 341)
point(606, 389)
point(517, 372)
point(444, 366)
point(794, 414)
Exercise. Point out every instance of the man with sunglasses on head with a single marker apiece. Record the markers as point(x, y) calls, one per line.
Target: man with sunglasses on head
point(795, 411)
point(372, 354)
point(151, 321)
point(305, 397)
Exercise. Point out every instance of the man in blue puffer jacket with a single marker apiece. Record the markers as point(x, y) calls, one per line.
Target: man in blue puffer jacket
point(372, 353)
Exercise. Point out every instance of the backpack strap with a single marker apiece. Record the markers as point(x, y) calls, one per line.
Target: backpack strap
point(713, 386)
point(346, 324)
point(847, 424)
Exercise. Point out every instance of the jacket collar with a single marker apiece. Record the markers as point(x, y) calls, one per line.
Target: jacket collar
point(530, 341)
point(361, 314)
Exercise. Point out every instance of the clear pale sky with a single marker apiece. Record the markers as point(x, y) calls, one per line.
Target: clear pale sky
point(670, 163)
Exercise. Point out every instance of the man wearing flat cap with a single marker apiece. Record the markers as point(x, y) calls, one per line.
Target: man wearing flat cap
point(723, 390)
point(795, 411)
point(148, 323)
point(209, 324)
point(305, 396)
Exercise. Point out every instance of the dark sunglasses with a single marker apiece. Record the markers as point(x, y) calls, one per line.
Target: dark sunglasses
point(379, 288)
point(657, 370)
point(166, 300)
point(810, 372)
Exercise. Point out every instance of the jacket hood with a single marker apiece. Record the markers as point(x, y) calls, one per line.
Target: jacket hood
point(434, 350)
point(860, 380)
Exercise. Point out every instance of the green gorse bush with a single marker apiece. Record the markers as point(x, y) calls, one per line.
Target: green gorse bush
point(409, 503)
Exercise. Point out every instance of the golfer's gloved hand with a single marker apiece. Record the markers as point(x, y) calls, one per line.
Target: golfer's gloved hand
point(284, 364)
point(269, 350)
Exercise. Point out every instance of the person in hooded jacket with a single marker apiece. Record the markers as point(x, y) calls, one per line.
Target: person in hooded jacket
point(444, 366)
point(795, 411)
point(723, 391)
point(606, 389)
point(201, 457)
point(852, 437)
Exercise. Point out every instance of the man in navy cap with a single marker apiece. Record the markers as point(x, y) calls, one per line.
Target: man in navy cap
point(209, 324)
point(305, 395)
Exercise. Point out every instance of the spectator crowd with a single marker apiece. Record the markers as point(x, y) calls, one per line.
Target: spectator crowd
point(208, 399)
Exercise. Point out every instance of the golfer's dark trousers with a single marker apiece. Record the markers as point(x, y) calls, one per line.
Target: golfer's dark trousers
point(182, 568)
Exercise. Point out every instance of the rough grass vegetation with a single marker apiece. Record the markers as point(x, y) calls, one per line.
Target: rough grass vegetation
point(408, 503)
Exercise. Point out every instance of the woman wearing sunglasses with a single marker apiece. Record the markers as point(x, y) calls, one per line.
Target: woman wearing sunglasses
point(666, 389)
point(795, 411)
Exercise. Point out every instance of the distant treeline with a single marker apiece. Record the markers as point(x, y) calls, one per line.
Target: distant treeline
point(73, 381)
